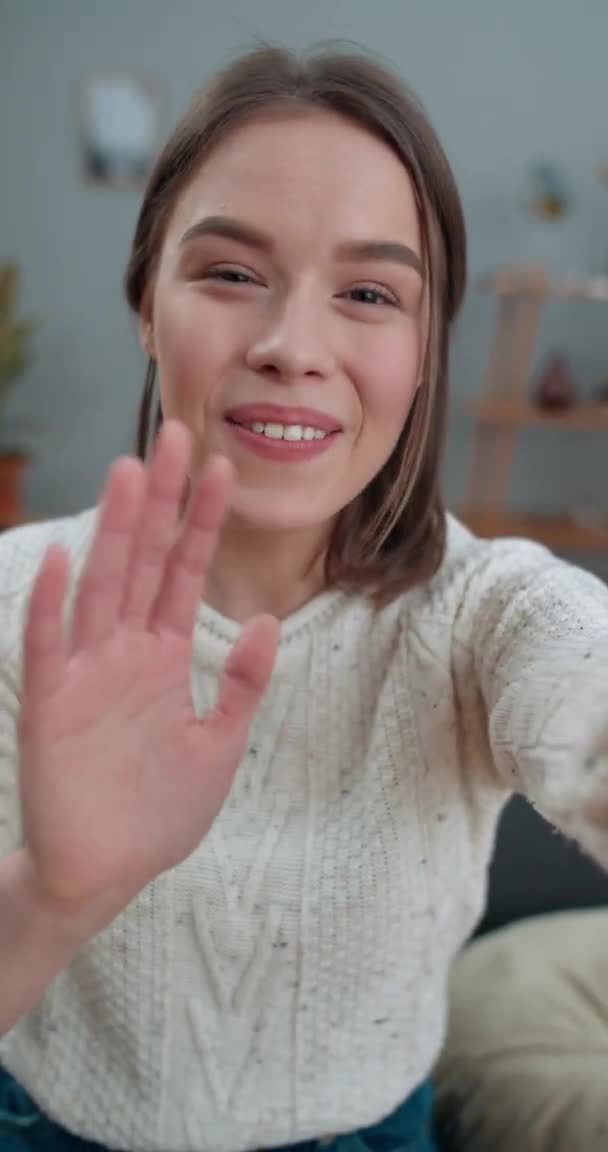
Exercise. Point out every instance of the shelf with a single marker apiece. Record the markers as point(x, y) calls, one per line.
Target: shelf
point(520, 414)
point(533, 281)
point(562, 534)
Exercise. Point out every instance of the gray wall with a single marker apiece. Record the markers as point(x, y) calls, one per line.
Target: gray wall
point(506, 84)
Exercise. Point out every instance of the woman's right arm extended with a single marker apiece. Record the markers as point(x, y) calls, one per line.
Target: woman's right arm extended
point(118, 779)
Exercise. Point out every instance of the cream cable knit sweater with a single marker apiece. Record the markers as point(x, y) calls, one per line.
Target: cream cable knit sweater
point(289, 979)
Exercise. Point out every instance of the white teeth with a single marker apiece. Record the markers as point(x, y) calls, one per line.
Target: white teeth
point(292, 432)
point(273, 431)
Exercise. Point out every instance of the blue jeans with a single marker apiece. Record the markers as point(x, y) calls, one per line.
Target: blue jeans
point(23, 1128)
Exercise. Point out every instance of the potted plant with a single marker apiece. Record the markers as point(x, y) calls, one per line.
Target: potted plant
point(15, 335)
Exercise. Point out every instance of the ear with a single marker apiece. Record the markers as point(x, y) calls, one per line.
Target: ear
point(146, 325)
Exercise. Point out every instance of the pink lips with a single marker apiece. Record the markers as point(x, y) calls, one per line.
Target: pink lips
point(281, 450)
point(277, 414)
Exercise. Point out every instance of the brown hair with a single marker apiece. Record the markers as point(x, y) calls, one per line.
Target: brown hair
point(392, 535)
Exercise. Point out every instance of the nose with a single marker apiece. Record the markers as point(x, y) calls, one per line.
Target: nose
point(292, 341)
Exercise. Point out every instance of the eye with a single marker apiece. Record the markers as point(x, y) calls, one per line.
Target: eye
point(229, 275)
point(368, 294)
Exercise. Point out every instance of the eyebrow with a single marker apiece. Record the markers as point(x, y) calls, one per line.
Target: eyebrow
point(230, 229)
point(389, 250)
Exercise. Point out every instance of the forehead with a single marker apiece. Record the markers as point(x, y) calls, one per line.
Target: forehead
point(309, 172)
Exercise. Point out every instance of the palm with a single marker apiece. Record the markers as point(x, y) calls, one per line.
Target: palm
point(119, 779)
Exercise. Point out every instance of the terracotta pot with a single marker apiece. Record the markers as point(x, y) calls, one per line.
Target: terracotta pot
point(12, 470)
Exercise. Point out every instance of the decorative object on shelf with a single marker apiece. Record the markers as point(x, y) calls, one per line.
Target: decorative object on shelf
point(556, 388)
point(15, 344)
point(506, 408)
point(549, 199)
point(601, 393)
point(119, 131)
point(591, 517)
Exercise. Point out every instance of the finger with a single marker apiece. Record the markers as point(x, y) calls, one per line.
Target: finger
point(244, 681)
point(102, 583)
point(44, 644)
point(167, 478)
point(189, 560)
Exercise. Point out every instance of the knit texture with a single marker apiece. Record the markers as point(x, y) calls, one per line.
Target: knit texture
point(289, 979)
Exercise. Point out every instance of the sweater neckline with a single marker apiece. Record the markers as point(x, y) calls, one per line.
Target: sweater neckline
point(309, 616)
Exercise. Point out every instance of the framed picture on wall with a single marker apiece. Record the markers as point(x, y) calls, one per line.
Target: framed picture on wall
point(119, 131)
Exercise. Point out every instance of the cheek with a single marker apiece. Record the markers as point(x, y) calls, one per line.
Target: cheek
point(387, 375)
point(191, 354)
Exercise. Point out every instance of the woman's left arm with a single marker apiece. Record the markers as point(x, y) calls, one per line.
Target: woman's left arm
point(539, 633)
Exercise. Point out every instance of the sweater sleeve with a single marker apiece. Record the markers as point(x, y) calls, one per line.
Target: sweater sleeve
point(15, 580)
point(10, 824)
point(538, 631)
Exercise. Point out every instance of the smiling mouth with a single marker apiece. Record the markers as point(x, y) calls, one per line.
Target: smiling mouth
point(282, 443)
point(273, 430)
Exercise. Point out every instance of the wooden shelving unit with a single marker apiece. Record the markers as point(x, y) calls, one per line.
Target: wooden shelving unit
point(533, 281)
point(560, 533)
point(523, 414)
point(505, 409)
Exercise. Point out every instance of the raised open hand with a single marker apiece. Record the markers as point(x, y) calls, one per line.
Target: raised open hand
point(118, 778)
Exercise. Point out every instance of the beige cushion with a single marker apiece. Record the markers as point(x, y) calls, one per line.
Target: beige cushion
point(525, 1067)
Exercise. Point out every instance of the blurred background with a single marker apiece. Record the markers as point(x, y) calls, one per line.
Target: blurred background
point(518, 93)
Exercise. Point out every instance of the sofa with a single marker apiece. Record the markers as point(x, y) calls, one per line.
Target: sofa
point(525, 1064)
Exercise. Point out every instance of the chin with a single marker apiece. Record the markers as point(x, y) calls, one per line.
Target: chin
point(274, 512)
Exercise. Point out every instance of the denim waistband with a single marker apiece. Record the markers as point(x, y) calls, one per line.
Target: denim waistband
point(24, 1128)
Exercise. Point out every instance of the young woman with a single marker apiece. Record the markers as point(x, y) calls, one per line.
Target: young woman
point(250, 779)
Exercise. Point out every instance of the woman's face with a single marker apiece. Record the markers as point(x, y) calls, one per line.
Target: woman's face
point(288, 313)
